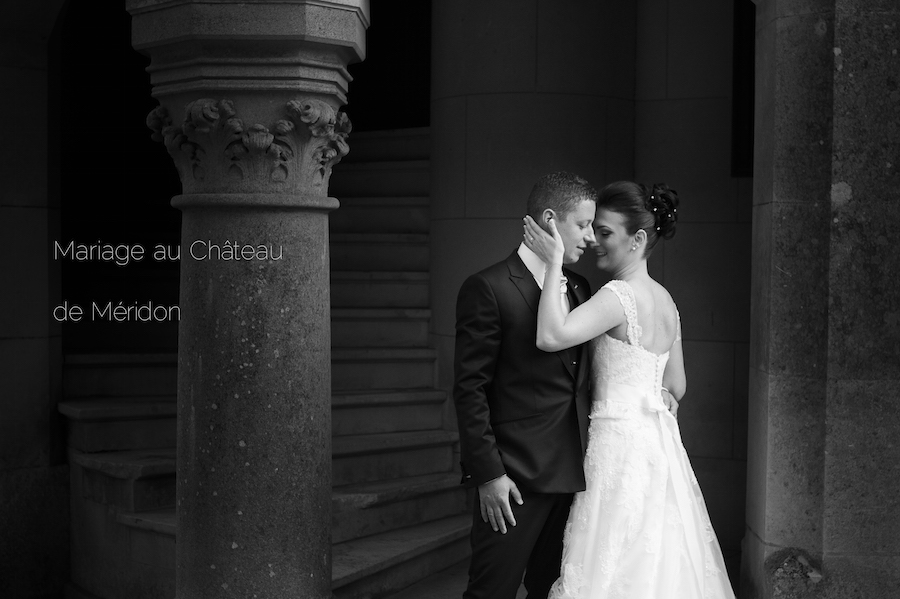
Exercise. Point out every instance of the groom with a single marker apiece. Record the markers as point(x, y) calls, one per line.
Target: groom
point(522, 412)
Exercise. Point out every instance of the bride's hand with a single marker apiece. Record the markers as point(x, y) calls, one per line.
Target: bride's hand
point(548, 246)
point(670, 401)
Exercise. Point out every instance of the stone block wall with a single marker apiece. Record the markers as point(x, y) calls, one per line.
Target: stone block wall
point(34, 548)
point(683, 120)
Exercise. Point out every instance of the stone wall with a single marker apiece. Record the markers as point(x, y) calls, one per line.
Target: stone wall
point(34, 548)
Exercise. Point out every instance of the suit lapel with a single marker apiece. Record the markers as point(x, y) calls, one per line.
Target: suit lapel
point(578, 294)
point(524, 281)
point(576, 290)
point(531, 293)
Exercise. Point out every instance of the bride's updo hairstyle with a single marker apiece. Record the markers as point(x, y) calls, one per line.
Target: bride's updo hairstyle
point(653, 209)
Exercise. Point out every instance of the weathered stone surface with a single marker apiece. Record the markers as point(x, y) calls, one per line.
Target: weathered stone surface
point(790, 288)
point(862, 468)
point(822, 462)
point(865, 338)
point(803, 110)
point(254, 475)
point(798, 289)
point(868, 576)
point(795, 461)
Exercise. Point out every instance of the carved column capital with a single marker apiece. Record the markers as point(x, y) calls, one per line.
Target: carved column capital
point(249, 91)
point(215, 152)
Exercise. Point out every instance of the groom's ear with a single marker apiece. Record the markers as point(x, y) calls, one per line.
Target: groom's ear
point(546, 216)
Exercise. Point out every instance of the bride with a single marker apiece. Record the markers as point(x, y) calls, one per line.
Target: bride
point(640, 530)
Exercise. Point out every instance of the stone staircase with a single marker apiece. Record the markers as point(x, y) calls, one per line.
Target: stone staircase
point(398, 512)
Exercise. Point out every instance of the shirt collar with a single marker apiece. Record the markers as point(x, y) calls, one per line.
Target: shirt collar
point(533, 263)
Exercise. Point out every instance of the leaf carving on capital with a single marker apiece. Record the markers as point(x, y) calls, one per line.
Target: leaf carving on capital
point(213, 151)
point(314, 137)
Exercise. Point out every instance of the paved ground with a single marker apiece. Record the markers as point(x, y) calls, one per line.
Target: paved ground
point(447, 584)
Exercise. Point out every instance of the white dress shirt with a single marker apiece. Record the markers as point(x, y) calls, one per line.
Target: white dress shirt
point(538, 269)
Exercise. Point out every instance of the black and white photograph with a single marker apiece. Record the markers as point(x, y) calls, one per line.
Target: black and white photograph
point(450, 299)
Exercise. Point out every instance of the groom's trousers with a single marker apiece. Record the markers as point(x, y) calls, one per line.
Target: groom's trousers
point(533, 547)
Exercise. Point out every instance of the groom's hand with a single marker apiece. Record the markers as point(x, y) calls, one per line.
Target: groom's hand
point(494, 499)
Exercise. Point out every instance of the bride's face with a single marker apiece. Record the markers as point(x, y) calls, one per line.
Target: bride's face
point(613, 246)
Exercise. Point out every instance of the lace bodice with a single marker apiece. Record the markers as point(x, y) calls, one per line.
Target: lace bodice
point(627, 363)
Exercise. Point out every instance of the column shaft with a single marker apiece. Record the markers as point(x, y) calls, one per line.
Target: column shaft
point(822, 479)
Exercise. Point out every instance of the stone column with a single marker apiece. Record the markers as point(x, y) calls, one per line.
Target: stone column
point(519, 89)
point(823, 513)
point(248, 96)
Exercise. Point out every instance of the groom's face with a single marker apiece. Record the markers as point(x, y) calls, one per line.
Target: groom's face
point(577, 230)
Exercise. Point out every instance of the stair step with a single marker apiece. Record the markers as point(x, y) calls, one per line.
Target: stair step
point(386, 252)
point(413, 143)
point(119, 375)
point(360, 289)
point(383, 456)
point(371, 508)
point(447, 584)
point(384, 563)
point(365, 412)
point(378, 368)
point(380, 178)
point(161, 521)
point(151, 541)
point(109, 424)
point(384, 327)
point(135, 480)
point(383, 214)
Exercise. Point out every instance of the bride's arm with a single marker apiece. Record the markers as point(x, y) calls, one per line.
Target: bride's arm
point(674, 377)
point(555, 330)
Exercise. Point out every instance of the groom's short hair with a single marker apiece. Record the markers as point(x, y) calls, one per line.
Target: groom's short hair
point(559, 191)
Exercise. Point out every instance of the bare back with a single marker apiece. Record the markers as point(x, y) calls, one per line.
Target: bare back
point(656, 314)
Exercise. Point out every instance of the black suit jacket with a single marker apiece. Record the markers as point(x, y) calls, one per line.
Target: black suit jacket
point(521, 411)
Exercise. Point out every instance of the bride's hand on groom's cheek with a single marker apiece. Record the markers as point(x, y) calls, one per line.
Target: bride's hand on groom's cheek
point(548, 246)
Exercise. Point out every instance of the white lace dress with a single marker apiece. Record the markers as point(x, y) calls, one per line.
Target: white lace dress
point(640, 530)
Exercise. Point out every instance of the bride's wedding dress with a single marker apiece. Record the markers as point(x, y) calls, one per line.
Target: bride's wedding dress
point(640, 530)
